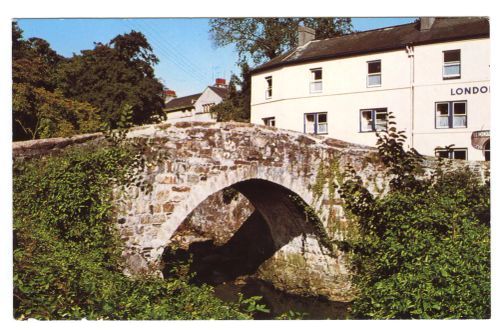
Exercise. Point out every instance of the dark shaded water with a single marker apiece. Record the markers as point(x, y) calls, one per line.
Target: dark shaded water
point(229, 268)
point(279, 302)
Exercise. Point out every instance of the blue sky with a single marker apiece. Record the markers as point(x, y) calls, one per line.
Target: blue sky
point(188, 59)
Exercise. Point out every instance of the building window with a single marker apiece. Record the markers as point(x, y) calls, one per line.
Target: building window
point(451, 64)
point(269, 121)
point(374, 77)
point(451, 114)
point(373, 120)
point(452, 153)
point(207, 107)
point(269, 88)
point(316, 85)
point(316, 123)
point(486, 149)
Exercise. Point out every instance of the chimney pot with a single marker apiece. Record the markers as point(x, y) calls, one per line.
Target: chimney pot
point(305, 35)
point(220, 82)
point(169, 95)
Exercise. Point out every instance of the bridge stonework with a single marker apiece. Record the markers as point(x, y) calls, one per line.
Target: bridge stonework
point(277, 171)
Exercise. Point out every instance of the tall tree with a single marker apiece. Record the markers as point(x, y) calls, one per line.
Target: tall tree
point(38, 110)
point(262, 39)
point(236, 107)
point(114, 75)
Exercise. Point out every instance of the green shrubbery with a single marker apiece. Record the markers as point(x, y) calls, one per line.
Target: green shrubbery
point(67, 261)
point(423, 249)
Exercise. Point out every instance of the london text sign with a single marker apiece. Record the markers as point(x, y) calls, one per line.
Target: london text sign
point(470, 90)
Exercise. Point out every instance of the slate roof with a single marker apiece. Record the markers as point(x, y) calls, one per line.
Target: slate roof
point(220, 91)
point(187, 102)
point(383, 39)
point(182, 102)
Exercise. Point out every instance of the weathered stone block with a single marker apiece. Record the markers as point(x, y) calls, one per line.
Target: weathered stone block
point(181, 188)
point(168, 207)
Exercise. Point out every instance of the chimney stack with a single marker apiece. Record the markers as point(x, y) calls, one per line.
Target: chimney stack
point(426, 23)
point(220, 82)
point(169, 95)
point(306, 34)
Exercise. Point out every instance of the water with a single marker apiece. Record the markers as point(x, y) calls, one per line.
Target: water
point(279, 302)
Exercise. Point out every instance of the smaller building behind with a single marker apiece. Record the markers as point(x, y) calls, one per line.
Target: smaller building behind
point(195, 107)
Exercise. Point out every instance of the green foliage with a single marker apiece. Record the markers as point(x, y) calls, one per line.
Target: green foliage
point(291, 315)
point(56, 96)
point(67, 254)
point(39, 110)
point(39, 113)
point(114, 75)
point(251, 305)
point(424, 248)
point(262, 39)
point(402, 164)
point(236, 107)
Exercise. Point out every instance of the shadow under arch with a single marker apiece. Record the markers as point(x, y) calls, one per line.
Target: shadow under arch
point(279, 218)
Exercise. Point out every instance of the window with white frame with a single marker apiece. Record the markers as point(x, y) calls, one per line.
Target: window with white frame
point(451, 64)
point(452, 153)
point(316, 123)
point(316, 85)
point(373, 119)
point(269, 87)
point(451, 114)
point(374, 77)
point(269, 121)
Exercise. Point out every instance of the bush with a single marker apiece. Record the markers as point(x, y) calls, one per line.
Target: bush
point(67, 262)
point(424, 248)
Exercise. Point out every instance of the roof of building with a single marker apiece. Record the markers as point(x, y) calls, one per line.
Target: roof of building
point(383, 39)
point(182, 102)
point(220, 91)
point(187, 102)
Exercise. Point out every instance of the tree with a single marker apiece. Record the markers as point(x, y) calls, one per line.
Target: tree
point(236, 107)
point(423, 249)
point(263, 39)
point(38, 110)
point(113, 75)
point(39, 113)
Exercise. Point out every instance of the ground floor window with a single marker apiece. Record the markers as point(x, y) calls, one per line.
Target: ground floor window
point(452, 153)
point(373, 119)
point(316, 123)
point(270, 121)
point(451, 114)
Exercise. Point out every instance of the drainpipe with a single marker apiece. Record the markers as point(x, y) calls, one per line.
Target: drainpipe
point(411, 56)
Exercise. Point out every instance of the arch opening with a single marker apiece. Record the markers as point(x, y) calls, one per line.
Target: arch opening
point(266, 217)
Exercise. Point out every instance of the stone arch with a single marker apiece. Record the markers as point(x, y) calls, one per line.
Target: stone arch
point(260, 185)
point(278, 243)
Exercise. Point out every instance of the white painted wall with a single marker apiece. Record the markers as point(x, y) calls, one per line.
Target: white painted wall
point(345, 93)
point(208, 96)
point(179, 114)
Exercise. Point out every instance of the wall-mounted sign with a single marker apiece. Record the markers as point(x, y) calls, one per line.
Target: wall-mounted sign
point(479, 138)
point(470, 90)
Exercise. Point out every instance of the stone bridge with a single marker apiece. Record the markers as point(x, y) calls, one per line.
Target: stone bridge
point(245, 199)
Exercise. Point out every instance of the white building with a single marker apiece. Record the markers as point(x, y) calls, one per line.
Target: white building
point(433, 75)
point(196, 107)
